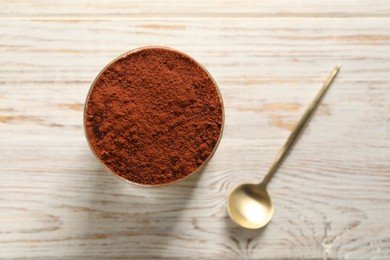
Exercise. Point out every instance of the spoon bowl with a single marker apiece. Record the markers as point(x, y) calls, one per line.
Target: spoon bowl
point(250, 206)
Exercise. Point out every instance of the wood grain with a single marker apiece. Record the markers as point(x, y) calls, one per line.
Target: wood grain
point(331, 195)
point(200, 8)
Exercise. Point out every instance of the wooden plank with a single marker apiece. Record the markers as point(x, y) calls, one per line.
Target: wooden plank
point(331, 195)
point(201, 8)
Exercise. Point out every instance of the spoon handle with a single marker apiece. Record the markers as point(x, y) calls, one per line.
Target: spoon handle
point(300, 126)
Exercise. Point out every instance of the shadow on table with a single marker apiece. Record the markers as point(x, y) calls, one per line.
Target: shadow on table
point(242, 237)
point(136, 221)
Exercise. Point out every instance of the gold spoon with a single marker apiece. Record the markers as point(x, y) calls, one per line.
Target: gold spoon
point(249, 205)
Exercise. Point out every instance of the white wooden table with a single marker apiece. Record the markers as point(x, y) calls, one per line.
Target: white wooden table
point(332, 194)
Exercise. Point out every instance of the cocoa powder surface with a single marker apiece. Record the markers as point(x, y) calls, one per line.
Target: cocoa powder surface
point(154, 116)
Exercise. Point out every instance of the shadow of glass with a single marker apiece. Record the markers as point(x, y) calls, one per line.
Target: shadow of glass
point(136, 221)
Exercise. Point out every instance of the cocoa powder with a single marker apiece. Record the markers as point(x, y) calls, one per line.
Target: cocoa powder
point(153, 116)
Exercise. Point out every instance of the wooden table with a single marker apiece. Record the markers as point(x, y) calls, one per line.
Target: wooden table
point(332, 194)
